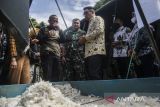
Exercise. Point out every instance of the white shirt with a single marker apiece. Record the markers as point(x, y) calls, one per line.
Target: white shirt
point(121, 35)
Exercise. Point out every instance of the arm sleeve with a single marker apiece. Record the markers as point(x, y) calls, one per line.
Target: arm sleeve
point(99, 28)
point(12, 46)
point(143, 40)
point(126, 34)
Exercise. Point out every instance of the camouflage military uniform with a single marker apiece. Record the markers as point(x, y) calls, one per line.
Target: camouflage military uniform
point(74, 54)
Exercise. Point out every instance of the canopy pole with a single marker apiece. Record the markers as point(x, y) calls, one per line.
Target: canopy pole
point(61, 13)
point(146, 25)
point(30, 3)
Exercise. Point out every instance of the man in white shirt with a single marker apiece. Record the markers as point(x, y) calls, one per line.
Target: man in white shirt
point(120, 47)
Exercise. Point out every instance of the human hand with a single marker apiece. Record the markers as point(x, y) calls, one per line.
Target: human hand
point(34, 41)
point(82, 40)
point(13, 64)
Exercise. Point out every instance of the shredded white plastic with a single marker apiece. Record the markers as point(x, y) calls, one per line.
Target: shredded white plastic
point(44, 94)
point(41, 94)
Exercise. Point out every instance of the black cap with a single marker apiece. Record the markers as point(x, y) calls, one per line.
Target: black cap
point(89, 8)
point(51, 16)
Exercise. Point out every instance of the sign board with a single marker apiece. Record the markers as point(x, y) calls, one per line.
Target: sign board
point(151, 9)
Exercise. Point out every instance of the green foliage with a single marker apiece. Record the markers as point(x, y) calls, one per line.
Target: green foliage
point(34, 22)
point(100, 3)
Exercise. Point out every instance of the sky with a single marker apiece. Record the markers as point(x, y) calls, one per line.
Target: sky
point(42, 9)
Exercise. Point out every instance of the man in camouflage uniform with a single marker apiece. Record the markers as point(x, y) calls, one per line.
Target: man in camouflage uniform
point(74, 51)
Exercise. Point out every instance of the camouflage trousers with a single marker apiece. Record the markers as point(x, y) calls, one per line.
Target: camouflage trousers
point(75, 70)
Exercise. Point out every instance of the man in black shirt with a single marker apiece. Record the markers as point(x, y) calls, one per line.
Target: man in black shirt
point(49, 39)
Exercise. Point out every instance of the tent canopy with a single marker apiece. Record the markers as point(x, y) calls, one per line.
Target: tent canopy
point(119, 8)
point(16, 13)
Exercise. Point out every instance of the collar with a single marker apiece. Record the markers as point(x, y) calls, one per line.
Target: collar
point(75, 30)
point(92, 18)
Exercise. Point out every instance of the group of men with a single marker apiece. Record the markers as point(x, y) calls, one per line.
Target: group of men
point(132, 51)
point(78, 53)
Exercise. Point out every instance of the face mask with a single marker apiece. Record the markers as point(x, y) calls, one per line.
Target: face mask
point(115, 27)
point(133, 20)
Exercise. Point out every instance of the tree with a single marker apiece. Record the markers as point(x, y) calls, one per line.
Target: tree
point(100, 3)
point(34, 22)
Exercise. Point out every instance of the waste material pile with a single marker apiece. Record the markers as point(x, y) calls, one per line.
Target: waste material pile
point(44, 94)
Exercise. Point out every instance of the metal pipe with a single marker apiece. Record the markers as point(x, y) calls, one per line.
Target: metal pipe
point(61, 13)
